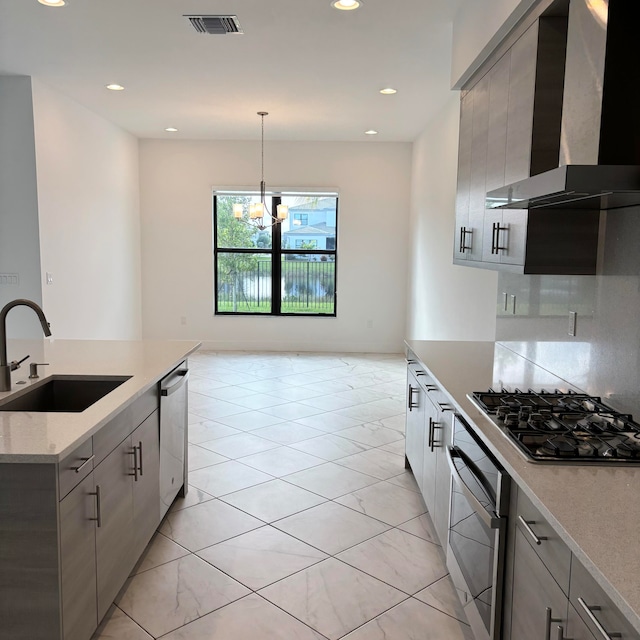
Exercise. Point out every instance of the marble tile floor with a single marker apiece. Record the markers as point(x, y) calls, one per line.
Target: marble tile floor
point(301, 522)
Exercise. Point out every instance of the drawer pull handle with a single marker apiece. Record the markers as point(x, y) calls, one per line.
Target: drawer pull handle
point(430, 387)
point(84, 464)
point(526, 524)
point(550, 619)
point(588, 609)
point(444, 406)
point(560, 634)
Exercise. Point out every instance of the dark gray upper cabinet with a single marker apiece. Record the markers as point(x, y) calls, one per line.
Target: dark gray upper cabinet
point(510, 119)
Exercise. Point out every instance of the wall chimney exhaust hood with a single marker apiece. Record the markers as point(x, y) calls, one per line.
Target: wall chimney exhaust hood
point(572, 187)
point(599, 145)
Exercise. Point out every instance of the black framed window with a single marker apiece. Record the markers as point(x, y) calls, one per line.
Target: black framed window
point(288, 269)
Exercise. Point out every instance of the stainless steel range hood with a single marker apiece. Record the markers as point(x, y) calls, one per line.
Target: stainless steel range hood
point(599, 147)
point(572, 187)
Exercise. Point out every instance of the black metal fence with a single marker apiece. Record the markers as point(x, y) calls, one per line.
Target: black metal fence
point(307, 287)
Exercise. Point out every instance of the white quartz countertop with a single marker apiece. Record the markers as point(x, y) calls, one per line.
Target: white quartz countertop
point(596, 509)
point(31, 437)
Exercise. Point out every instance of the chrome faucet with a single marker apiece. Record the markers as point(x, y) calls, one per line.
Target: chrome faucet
point(7, 367)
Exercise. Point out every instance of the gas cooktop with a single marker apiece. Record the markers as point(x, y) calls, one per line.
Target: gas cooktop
point(562, 426)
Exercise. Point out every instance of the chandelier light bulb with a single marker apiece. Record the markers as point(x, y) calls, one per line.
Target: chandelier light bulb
point(237, 210)
point(283, 211)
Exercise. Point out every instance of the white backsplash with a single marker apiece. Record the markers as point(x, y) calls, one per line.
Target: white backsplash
point(603, 358)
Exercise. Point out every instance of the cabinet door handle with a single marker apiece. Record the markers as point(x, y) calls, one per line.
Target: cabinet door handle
point(432, 433)
point(444, 406)
point(526, 524)
point(430, 387)
point(140, 460)
point(134, 453)
point(548, 622)
point(84, 464)
point(98, 517)
point(589, 609)
point(464, 232)
point(560, 634)
point(498, 230)
point(495, 238)
point(410, 404)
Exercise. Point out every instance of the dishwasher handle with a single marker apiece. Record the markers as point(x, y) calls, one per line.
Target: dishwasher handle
point(182, 375)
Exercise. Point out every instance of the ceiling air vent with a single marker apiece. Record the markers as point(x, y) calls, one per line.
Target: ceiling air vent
point(215, 25)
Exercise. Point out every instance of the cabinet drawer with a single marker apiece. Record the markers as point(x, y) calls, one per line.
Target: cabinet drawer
point(75, 468)
point(120, 427)
point(595, 608)
point(550, 548)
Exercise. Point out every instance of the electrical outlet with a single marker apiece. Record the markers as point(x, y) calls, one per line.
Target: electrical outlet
point(49, 277)
point(183, 320)
point(573, 321)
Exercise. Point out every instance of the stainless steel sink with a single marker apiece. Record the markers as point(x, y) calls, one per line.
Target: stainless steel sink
point(66, 394)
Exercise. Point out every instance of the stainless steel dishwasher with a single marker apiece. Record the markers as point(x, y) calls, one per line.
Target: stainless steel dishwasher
point(173, 434)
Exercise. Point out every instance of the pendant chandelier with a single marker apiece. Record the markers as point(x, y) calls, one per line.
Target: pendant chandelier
point(259, 215)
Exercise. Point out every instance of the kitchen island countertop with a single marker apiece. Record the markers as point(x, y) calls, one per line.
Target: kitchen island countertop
point(595, 509)
point(34, 437)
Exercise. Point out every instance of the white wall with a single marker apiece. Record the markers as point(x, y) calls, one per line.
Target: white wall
point(88, 195)
point(176, 179)
point(19, 244)
point(477, 29)
point(446, 302)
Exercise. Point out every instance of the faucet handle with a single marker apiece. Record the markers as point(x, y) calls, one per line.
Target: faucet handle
point(15, 364)
point(33, 369)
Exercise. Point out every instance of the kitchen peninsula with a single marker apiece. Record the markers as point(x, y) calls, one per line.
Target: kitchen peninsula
point(80, 492)
point(593, 511)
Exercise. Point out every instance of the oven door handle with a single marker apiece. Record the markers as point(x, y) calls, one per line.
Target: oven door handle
point(493, 522)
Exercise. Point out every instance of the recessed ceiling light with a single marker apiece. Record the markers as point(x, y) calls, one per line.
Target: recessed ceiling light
point(171, 129)
point(371, 132)
point(53, 3)
point(346, 5)
point(115, 87)
point(388, 91)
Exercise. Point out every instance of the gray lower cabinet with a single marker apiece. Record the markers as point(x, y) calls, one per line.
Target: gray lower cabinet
point(428, 433)
point(538, 603)
point(576, 629)
point(551, 595)
point(70, 533)
point(78, 560)
point(146, 489)
point(128, 483)
point(442, 439)
point(436, 476)
point(596, 610)
point(414, 431)
point(114, 531)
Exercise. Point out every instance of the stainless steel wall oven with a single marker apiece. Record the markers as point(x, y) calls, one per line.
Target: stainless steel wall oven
point(477, 530)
